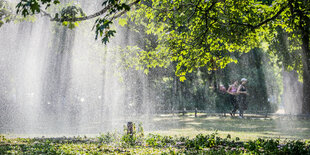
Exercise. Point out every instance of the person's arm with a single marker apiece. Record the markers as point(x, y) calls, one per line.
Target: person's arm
point(238, 90)
point(241, 92)
point(228, 90)
point(245, 92)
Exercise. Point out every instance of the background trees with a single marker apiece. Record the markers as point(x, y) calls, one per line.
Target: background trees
point(193, 35)
point(201, 33)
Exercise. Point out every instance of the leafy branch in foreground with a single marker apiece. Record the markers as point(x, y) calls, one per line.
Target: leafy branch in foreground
point(5, 13)
point(71, 15)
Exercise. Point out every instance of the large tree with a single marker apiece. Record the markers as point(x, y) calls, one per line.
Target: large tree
point(202, 33)
point(197, 33)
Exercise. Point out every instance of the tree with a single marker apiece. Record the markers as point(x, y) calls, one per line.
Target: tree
point(200, 33)
point(294, 35)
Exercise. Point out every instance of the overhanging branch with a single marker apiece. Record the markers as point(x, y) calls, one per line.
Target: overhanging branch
point(272, 18)
point(123, 12)
point(263, 22)
point(99, 13)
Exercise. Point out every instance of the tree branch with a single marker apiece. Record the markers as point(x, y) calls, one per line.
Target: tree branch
point(99, 13)
point(46, 14)
point(272, 18)
point(263, 22)
point(212, 5)
point(123, 12)
point(104, 10)
point(243, 24)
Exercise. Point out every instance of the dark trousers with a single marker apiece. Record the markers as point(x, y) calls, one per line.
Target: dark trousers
point(243, 104)
point(233, 101)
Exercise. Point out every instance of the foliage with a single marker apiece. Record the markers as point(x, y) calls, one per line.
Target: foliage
point(102, 27)
point(155, 140)
point(199, 33)
point(286, 51)
point(107, 138)
point(195, 42)
point(29, 7)
point(154, 144)
point(199, 90)
point(68, 13)
point(5, 13)
point(133, 139)
point(274, 147)
point(71, 15)
point(192, 33)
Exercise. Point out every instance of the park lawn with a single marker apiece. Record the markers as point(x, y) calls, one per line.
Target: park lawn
point(174, 134)
point(150, 144)
point(249, 128)
point(170, 134)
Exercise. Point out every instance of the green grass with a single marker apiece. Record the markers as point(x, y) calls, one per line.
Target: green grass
point(150, 144)
point(169, 134)
point(251, 127)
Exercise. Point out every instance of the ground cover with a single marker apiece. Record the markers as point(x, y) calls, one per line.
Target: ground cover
point(171, 134)
point(202, 140)
point(111, 143)
point(251, 127)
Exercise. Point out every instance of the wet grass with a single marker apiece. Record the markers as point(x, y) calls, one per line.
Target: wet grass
point(138, 143)
point(177, 134)
point(251, 127)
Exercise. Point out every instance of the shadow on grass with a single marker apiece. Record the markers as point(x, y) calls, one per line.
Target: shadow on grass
point(272, 127)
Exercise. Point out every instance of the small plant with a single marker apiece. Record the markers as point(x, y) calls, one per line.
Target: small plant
point(2, 139)
point(204, 141)
point(135, 138)
point(107, 138)
point(156, 140)
point(135, 143)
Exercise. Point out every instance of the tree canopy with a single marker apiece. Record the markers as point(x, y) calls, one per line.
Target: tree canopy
point(198, 33)
point(204, 33)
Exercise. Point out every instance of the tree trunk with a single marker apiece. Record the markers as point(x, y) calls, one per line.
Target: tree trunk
point(306, 91)
point(306, 64)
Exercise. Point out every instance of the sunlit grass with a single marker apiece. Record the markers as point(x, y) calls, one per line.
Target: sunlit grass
point(251, 127)
point(241, 132)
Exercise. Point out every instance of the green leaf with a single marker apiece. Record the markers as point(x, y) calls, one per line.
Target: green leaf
point(122, 21)
point(146, 71)
point(182, 78)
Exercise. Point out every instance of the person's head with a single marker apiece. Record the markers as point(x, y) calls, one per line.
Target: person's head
point(222, 88)
point(235, 82)
point(244, 81)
